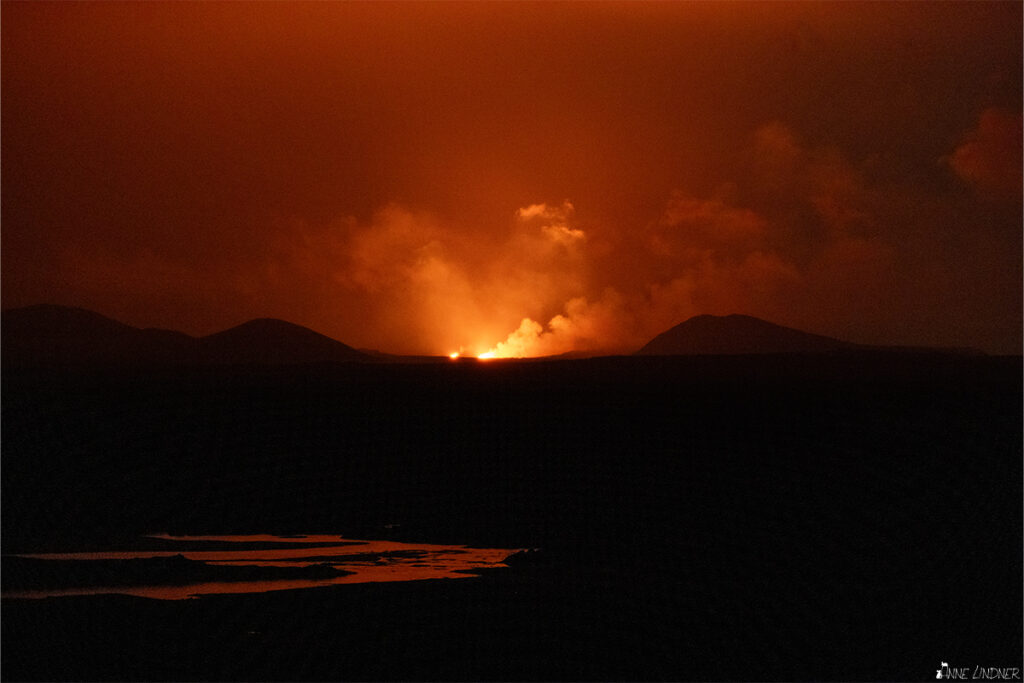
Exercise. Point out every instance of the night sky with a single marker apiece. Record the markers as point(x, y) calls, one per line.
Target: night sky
point(529, 178)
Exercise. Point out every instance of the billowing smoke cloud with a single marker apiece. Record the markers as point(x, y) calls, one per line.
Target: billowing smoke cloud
point(602, 325)
point(447, 287)
point(797, 235)
point(555, 221)
point(805, 237)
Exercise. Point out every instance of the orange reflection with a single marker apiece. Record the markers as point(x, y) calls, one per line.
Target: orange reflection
point(369, 561)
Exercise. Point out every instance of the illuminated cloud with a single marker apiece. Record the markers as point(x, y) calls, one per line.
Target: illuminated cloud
point(740, 250)
point(556, 213)
point(793, 178)
point(563, 234)
point(523, 341)
point(581, 326)
point(428, 285)
point(554, 222)
point(989, 157)
point(689, 223)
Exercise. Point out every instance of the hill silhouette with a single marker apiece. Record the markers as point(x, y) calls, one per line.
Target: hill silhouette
point(738, 334)
point(47, 335)
point(274, 342)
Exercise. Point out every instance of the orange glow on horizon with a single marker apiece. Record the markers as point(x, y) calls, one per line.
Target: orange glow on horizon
point(633, 190)
point(454, 355)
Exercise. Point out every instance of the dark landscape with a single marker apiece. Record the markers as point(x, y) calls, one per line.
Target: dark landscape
point(841, 515)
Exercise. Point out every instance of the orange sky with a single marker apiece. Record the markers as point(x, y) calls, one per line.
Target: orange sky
point(428, 177)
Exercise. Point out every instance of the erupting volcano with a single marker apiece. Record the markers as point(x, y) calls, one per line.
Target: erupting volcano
point(638, 340)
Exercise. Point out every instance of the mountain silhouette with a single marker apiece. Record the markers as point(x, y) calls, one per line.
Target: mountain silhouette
point(738, 334)
point(47, 335)
point(274, 342)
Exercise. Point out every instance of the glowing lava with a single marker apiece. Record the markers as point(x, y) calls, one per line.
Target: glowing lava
point(486, 356)
point(454, 355)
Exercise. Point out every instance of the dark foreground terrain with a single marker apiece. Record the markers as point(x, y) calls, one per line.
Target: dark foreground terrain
point(847, 517)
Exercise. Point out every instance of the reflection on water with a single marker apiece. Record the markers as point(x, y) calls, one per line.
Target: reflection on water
point(368, 561)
